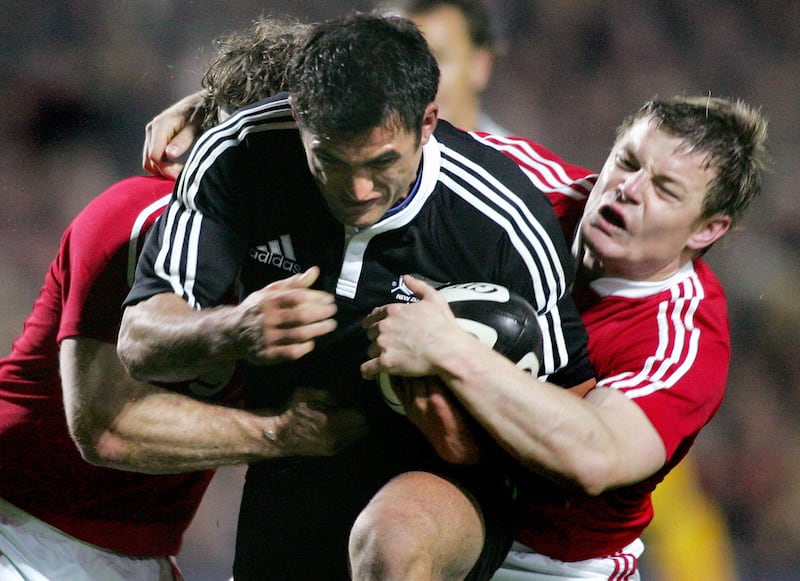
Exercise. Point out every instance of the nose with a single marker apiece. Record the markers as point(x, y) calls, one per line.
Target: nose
point(361, 188)
point(630, 188)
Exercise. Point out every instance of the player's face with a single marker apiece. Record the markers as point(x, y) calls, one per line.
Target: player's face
point(362, 179)
point(464, 68)
point(643, 218)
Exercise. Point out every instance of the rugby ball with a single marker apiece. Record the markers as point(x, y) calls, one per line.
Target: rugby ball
point(497, 317)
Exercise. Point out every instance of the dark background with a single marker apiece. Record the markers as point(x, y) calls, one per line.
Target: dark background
point(80, 79)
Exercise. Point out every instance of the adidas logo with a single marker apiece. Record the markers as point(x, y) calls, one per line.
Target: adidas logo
point(278, 253)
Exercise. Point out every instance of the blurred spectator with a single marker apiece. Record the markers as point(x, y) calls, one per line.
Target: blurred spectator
point(461, 38)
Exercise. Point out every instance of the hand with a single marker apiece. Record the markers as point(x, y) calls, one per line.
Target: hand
point(170, 134)
point(405, 338)
point(314, 426)
point(281, 321)
point(440, 418)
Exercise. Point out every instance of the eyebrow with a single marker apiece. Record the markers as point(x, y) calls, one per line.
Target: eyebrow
point(673, 185)
point(385, 157)
point(660, 179)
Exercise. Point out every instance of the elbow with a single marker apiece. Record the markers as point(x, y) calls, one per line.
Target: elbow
point(593, 483)
point(99, 447)
point(595, 474)
point(588, 475)
point(129, 352)
point(98, 443)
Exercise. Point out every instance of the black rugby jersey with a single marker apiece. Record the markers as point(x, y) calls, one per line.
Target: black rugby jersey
point(246, 208)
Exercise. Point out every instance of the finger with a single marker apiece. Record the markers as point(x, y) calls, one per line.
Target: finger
point(168, 170)
point(303, 279)
point(370, 369)
point(278, 353)
point(377, 314)
point(419, 287)
point(155, 143)
point(180, 143)
point(157, 163)
point(297, 308)
point(298, 334)
point(147, 162)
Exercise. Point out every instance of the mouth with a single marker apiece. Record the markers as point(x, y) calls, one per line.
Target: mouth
point(612, 216)
point(353, 207)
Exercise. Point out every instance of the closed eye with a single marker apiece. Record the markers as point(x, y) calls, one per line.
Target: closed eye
point(626, 162)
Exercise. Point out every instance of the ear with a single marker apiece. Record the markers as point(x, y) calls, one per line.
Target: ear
point(709, 231)
point(429, 120)
point(291, 106)
point(480, 69)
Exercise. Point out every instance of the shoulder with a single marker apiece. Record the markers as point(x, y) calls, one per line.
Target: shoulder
point(143, 187)
point(270, 113)
point(472, 165)
point(122, 203)
point(234, 150)
point(679, 322)
point(111, 227)
point(548, 170)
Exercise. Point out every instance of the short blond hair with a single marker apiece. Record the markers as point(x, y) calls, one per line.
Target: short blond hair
point(732, 134)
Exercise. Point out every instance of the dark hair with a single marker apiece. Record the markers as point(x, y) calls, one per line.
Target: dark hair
point(251, 64)
point(474, 11)
point(731, 133)
point(360, 72)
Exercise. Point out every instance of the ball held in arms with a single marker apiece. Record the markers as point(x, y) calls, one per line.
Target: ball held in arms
point(498, 318)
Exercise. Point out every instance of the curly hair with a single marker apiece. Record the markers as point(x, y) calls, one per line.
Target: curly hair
point(250, 65)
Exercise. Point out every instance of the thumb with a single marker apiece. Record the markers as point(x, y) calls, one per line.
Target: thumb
point(419, 287)
point(302, 280)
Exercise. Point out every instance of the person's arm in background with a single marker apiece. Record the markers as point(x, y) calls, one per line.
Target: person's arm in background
point(170, 134)
point(121, 423)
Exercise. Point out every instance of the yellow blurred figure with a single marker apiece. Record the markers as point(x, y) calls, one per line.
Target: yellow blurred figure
point(688, 539)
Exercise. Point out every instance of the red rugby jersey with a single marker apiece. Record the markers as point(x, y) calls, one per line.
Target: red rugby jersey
point(666, 345)
point(41, 470)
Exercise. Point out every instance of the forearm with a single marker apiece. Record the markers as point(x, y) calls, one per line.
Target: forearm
point(158, 431)
point(163, 339)
point(119, 422)
point(597, 441)
point(545, 427)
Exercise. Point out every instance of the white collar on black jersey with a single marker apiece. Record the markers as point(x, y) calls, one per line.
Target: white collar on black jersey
point(427, 178)
point(357, 240)
point(412, 192)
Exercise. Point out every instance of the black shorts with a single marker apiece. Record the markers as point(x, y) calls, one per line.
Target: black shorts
point(296, 514)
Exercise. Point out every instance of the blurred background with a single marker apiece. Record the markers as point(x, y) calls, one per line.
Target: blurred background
point(80, 79)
